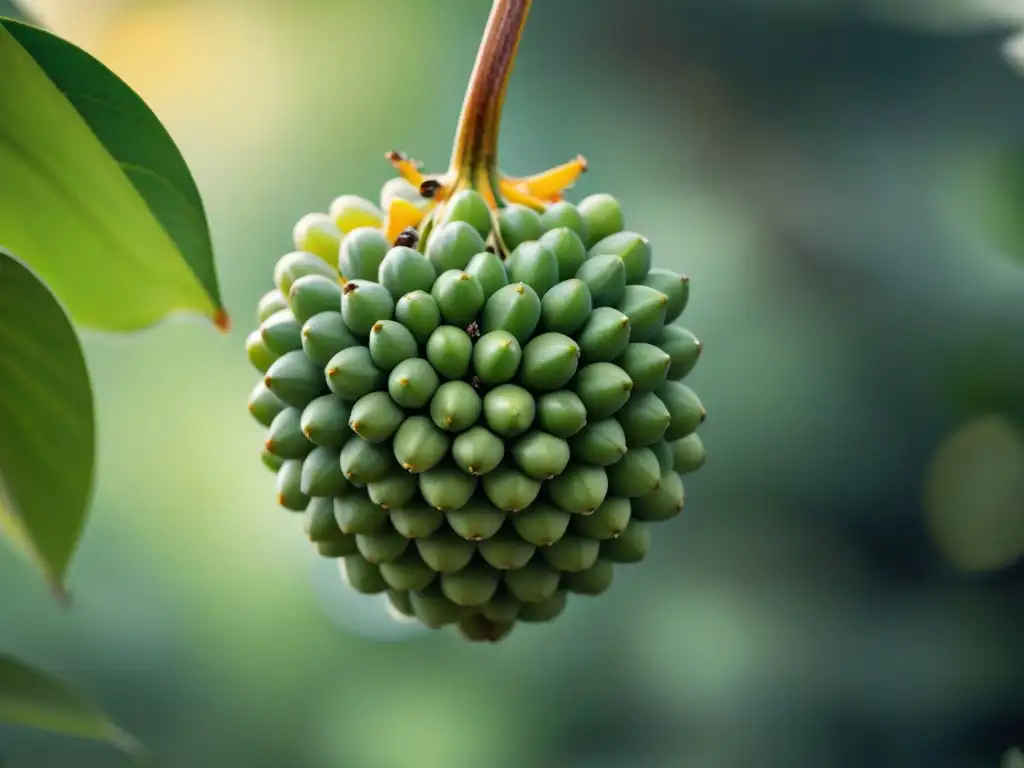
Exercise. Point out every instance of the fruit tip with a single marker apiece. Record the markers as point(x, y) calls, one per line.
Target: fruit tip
point(221, 320)
point(377, 327)
point(583, 163)
point(349, 287)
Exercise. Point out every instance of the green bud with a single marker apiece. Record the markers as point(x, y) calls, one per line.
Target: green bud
point(663, 451)
point(361, 254)
point(259, 354)
point(405, 270)
point(540, 455)
point(433, 609)
point(688, 454)
point(449, 350)
point(407, 572)
point(509, 410)
point(383, 547)
point(356, 514)
point(412, 383)
point(684, 349)
point(469, 206)
point(471, 587)
point(375, 417)
point(419, 445)
point(608, 521)
point(318, 521)
point(455, 406)
point(350, 212)
point(510, 490)
point(673, 285)
point(644, 419)
point(685, 408)
point(459, 296)
point(533, 264)
point(518, 224)
point(364, 304)
point(364, 462)
point(398, 188)
point(325, 335)
point(566, 307)
point(284, 436)
point(645, 308)
point(496, 357)
point(281, 332)
point(600, 442)
point(579, 490)
point(561, 413)
point(506, 551)
point(478, 451)
point(476, 521)
point(514, 308)
point(446, 488)
point(502, 608)
point(549, 362)
point(633, 249)
point(541, 524)
point(418, 312)
point(452, 245)
point(289, 486)
point(603, 216)
point(417, 520)
point(399, 604)
point(394, 490)
point(533, 583)
point(635, 474)
point(604, 388)
point(264, 405)
point(664, 502)
point(362, 576)
point(321, 473)
point(572, 553)
point(270, 302)
point(317, 233)
point(351, 374)
point(489, 270)
point(594, 581)
point(296, 264)
point(293, 380)
point(446, 552)
point(391, 343)
point(312, 294)
point(565, 214)
point(569, 250)
point(478, 628)
point(606, 278)
point(270, 461)
point(547, 610)
point(631, 546)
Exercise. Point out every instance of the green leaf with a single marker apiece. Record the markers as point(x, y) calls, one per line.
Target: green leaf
point(47, 427)
point(96, 198)
point(30, 697)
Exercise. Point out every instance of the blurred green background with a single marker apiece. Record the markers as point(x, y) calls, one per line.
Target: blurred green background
point(845, 585)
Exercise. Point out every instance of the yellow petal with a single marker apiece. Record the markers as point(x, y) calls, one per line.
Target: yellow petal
point(401, 215)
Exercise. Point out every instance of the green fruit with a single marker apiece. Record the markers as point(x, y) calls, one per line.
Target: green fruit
point(603, 216)
point(604, 388)
point(446, 488)
point(479, 629)
point(363, 462)
point(412, 383)
point(510, 490)
point(452, 245)
point(469, 206)
point(325, 335)
point(684, 349)
point(645, 308)
point(449, 350)
point(543, 611)
point(416, 521)
point(506, 551)
point(631, 546)
point(281, 332)
point(317, 233)
point(518, 224)
point(361, 254)
point(419, 445)
point(572, 553)
point(405, 270)
point(688, 454)
point(664, 502)
point(270, 302)
point(362, 576)
point(322, 475)
point(685, 409)
point(644, 420)
point(356, 514)
point(673, 285)
point(259, 354)
point(635, 474)
point(394, 490)
point(270, 461)
point(549, 362)
point(476, 521)
point(533, 583)
point(391, 343)
point(478, 451)
point(285, 437)
point(579, 490)
point(608, 521)
point(509, 410)
point(264, 405)
point(567, 306)
point(605, 335)
point(595, 580)
point(418, 312)
point(364, 304)
point(289, 486)
point(605, 276)
point(633, 249)
point(296, 264)
point(383, 547)
point(600, 442)
point(496, 357)
point(407, 572)
point(502, 608)
point(312, 294)
point(561, 413)
point(433, 609)
point(456, 406)
point(540, 455)
point(515, 308)
point(349, 212)
point(541, 524)
point(471, 587)
point(568, 248)
point(337, 548)
point(375, 417)
point(318, 521)
point(445, 552)
point(534, 265)
point(399, 604)
point(459, 296)
point(324, 422)
point(351, 374)
point(489, 270)
point(565, 214)
point(663, 451)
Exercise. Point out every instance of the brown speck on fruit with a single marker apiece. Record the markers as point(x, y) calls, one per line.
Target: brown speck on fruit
point(408, 467)
point(448, 421)
point(624, 323)
point(477, 382)
point(520, 288)
point(473, 329)
point(355, 425)
point(349, 287)
point(280, 499)
point(332, 371)
point(491, 249)
point(429, 188)
point(700, 347)
point(377, 327)
point(348, 475)
point(408, 237)
point(403, 381)
point(684, 279)
point(307, 431)
point(269, 445)
point(703, 415)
